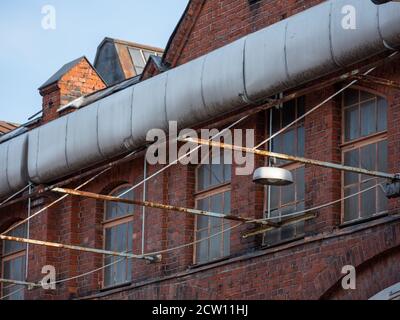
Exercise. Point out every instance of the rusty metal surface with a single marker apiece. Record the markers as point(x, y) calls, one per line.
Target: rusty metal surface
point(284, 222)
point(293, 158)
point(157, 205)
point(75, 248)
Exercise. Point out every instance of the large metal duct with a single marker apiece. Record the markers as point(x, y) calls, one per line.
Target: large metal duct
point(289, 53)
point(13, 164)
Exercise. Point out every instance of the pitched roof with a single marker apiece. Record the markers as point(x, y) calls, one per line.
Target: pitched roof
point(63, 70)
point(117, 60)
point(6, 127)
point(182, 31)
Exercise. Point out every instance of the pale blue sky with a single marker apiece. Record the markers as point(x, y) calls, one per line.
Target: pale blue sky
point(29, 55)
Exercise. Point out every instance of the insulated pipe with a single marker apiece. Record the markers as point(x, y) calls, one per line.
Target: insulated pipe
point(378, 2)
point(292, 52)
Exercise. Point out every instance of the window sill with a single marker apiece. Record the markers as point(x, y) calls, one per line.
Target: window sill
point(281, 243)
point(208, 263)
point(117, 286)
point(362, 220)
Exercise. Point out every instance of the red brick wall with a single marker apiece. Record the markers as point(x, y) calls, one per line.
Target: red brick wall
point(82, 79)
point(305, 269)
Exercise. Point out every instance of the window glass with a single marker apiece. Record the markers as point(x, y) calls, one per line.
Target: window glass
point(137, 59)
point(382, 114)
point(116, 209)
point(147, 54)
point(213, 174)
point(352, 123)
point(351, 158)
point(10, 247)
point(368, 118)
point(285, 201)
point(118, 232)
point(290, 141)
point(373, 157)
point(119, 239)
point(13, 264)
point(351, 209)
point(364, 114)
point(217, 246)
point(14, 270)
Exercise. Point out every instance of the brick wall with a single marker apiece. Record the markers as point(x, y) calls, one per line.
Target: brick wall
point(80, 80)
point(308, 268)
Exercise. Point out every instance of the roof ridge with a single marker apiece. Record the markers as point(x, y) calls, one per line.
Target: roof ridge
point(63, 70)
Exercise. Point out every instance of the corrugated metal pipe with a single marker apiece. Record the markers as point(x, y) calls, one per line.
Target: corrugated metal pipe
point(311, 44)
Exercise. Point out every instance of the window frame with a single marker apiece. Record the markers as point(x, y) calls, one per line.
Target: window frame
point(111, 223)
point(207, 193)
point(357, 144)
point(10, 257)
point(143, 56)
point(343, 141)
point(211, 188)
point(288, 165)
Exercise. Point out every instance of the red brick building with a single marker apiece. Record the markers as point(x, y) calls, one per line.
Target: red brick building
point(299, 261)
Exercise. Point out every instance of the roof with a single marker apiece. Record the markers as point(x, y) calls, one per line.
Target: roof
point(100, 94)
point(182, 31)
point(131, 44)
point(65, 69)
point(117, 60)
point(62, 71)
point(6, 127)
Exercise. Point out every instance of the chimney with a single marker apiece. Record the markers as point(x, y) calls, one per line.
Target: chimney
point(75, 79)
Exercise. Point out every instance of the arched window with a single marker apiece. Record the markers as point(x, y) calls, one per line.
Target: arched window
point(364, 145)
point(13, 264)
point(118, 232)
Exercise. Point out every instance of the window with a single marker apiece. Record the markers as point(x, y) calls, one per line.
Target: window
point(364, 146)
point(118, 232)
point(213, 194)
point(140, 57)
point(283, 201)
point(13, 264)
point(291, 141)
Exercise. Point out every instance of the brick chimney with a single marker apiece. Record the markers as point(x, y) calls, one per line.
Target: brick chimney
point(75, 79)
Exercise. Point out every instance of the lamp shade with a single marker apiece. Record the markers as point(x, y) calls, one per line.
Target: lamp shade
point(272, 176)
point(381, 1)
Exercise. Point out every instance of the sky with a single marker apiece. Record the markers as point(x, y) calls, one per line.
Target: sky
point(31, 50)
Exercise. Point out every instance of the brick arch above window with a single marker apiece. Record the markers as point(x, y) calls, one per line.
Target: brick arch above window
point(8, 222)
point(111, 187)
point(386, 264)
